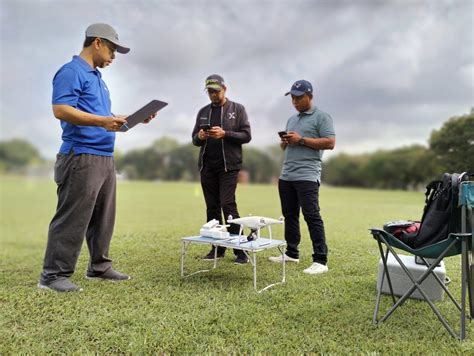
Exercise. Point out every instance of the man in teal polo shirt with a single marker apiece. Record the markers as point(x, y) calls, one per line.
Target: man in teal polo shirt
point(308, 133)
point(84, 170)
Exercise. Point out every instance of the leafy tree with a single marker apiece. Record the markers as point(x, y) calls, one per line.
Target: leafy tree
point(346, 170)
point(165, 159)
point(453, 144)
point(141, 164)
point(259, 165)
point(403, 168)
point(183, 163)
point(451, 150)
point(277, 155)
point(17, 153)
point(400, 168)
point(165, 145)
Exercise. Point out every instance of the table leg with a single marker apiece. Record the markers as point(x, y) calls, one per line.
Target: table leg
point(254, 270)
point(283, 277)
point(251, 256)
point(183, 255)
point(215, 256)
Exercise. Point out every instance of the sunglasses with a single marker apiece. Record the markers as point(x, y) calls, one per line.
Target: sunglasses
point(112, 48)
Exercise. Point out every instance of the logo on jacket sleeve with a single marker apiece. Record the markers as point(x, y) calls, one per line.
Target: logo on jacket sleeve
point(231, 115)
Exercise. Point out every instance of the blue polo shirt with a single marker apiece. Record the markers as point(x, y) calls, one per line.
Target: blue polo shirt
point(301, 162)
point(79, 85)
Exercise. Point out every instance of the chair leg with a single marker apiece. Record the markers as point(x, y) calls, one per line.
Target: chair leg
point(417, 285)
point(390, 286)
point(385, 273)
point(464, 283)
point(471, 290)
point(470, 278)
point(402, 299)
point(443, 286)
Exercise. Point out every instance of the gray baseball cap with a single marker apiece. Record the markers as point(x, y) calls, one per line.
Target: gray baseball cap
point(102, 30)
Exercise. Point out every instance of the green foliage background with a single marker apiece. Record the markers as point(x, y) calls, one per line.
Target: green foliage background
point(450, 149)
point(17, 153)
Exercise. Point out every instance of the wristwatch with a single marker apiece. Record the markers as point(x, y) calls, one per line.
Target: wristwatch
point(301, 141)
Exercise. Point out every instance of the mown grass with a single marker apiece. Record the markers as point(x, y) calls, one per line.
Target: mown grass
point(158, 311)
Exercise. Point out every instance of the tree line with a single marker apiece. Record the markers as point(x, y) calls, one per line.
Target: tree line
point(449, 149)
point(166, 159)
point(17, 154)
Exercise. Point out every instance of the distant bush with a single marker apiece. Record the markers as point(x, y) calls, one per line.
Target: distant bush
point(451, 149)
point(16, 154)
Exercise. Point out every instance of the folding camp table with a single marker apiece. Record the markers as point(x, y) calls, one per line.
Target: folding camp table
point(250, 248)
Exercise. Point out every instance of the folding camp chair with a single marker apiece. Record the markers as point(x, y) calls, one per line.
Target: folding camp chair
point(454, 244)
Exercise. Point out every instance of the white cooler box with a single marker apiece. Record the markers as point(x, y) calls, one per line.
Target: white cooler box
point(401, 283)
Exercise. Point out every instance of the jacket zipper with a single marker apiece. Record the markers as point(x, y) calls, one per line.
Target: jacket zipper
point(223, 151)
point(202, 156)
point(205, 145)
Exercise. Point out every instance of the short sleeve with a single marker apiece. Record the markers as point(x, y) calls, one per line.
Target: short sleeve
point(325, 125)
point(66, 87)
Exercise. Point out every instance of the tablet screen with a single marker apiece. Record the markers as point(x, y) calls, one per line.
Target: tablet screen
point(143, 114)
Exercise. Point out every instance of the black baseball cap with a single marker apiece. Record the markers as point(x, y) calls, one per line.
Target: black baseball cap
point(214, 81)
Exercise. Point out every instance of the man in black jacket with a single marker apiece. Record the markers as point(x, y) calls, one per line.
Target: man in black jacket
point(220, 130)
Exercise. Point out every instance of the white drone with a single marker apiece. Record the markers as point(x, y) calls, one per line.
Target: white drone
point(255, 224)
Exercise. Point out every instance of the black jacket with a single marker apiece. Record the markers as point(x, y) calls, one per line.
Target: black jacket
point(235, 123)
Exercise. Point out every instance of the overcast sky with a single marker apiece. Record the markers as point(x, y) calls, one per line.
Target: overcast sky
point(388, 72)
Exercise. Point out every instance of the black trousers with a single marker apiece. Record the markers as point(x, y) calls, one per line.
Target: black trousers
point(86, 208)
point(218, 187)
point(305, 195)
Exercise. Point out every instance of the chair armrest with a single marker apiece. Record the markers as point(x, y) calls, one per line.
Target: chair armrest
point(460, 236)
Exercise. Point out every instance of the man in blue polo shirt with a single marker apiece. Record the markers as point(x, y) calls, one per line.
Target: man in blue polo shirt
point(84, 170)
point(308, 133)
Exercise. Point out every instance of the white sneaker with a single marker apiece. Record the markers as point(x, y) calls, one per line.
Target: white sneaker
point(316, 268)
point(279, 259)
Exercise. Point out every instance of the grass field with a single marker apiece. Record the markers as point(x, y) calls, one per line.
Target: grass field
point(157, 311)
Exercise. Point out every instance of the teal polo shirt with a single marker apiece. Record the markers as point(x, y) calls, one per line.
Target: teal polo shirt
point(79, 85)
point(301, 162)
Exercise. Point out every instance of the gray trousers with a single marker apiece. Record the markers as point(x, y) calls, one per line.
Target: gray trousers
point(86, 207)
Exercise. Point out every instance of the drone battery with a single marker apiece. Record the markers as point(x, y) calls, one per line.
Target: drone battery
point(401, 283)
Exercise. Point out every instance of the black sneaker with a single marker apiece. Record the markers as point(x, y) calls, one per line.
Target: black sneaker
point(109, 275)
point(210, 256)
point(60, 285)
point(241, 260)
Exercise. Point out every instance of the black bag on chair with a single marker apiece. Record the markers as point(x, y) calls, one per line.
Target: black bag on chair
point(441, 214)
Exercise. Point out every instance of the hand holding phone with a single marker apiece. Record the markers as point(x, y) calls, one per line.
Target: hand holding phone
point(205, 127)
point(282, 133)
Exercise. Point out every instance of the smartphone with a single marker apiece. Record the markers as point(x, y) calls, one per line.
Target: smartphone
point(282, 133)
point(205, 127)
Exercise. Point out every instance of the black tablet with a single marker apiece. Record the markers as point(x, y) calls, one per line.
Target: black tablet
point(143, 114)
